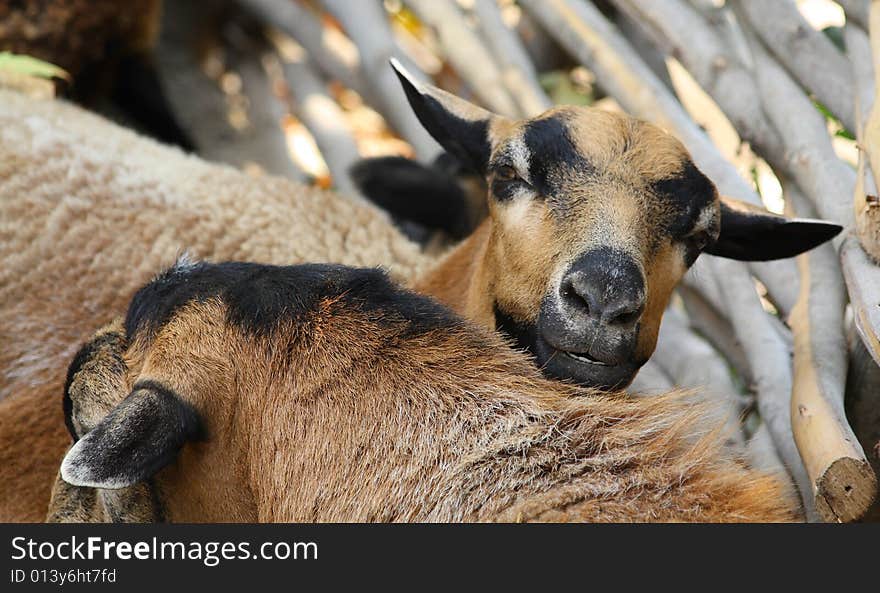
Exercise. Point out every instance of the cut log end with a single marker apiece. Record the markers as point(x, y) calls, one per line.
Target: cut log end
point(845, 491)
point(868, 227)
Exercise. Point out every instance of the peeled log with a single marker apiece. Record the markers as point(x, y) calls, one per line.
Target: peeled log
point(367, 25)
point(810, 57)
point(716, 328)
point(867, 202)
point(844, 484)
point(320, 113)
point(863, 281)
point(867, 210)
point(863, 405)
point(693, 364)
point(465, 51)
point(520, 75)
point(651, 380)
point(862, 276)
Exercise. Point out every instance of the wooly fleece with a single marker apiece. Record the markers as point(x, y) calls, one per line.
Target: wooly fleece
point(89, 212)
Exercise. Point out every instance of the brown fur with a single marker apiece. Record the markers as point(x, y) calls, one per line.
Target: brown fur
point(88, 213)
point(105, 209)
point(344, 416)
point(526, 246)
point(78, 34)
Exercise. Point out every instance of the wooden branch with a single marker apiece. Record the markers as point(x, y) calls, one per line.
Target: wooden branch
point(863, 282)
point(692, 363)
point(807, 54)
point(716, 328)
point(681, 31)
point(768, 359)
point(519, 75)
point(808, 157)
point(856, 11)
point(587, 35)
point(863, 405)
point(635, 33)
point(844, 483)
point(651, 380)
point(862, 277)
point(301, 24)
point(467, 54)
point(761, 452)
point(367, 25)
point(702, 280)
point(202, 106)
point(866, 201)
point(320, 113)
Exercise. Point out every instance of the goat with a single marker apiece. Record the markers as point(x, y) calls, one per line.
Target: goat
point(580, 200)
point(245, 392)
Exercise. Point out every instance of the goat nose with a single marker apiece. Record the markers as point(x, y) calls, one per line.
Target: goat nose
point(601, 302)
point(624, 313)
point(592, 292)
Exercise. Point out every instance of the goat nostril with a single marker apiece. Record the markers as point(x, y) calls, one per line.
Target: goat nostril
point(626, 316)
point(577, 300)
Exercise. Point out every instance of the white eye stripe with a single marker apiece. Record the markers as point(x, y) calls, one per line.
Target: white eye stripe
point(521, 158)
point(705, 219)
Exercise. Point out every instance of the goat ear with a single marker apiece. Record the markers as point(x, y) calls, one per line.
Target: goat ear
point(96, 379)
point(751, 233)
point(136, 439)
point(460, 127)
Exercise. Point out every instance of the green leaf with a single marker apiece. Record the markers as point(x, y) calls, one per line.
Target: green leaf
point(824, 111)
point(836, 123)
point(31, 66)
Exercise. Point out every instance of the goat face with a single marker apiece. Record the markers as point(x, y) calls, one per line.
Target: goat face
point(595, 218)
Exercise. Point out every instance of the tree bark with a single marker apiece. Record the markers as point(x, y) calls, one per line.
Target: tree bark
point(807, 54)
point(844, 485)
point(367, 26)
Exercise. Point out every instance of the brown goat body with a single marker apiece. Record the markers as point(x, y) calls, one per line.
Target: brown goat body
point(358, 401)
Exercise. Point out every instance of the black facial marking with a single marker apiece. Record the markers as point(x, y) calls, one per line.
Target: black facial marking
point(689, 193)
point(551, 148)
point(86, 352)
point(259, 296)
point(523, 334)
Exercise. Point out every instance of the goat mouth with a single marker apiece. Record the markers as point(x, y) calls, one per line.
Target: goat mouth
point(585, 358)
point(582, 367)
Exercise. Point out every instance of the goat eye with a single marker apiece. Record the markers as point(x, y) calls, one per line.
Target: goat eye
point(697, 240)
point(506, 173)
